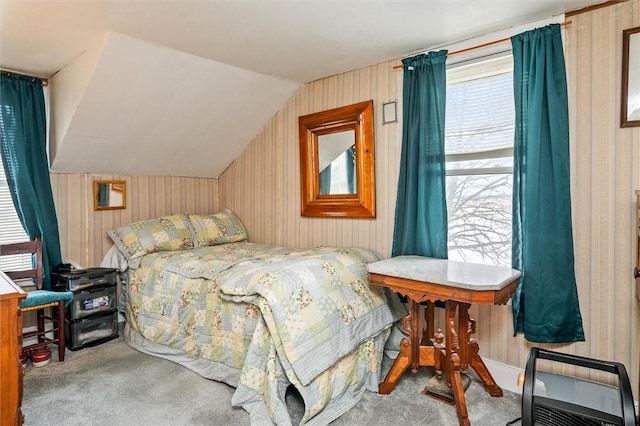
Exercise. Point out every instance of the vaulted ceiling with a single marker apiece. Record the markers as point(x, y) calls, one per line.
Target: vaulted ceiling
point(170, 87)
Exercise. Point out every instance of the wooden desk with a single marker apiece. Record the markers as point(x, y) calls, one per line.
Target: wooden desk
point(458, 285)
point(10, 347)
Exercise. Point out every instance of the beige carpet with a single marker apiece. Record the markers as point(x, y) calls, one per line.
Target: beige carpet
point(113, 384)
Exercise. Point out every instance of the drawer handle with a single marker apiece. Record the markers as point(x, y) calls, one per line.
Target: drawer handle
point(636, 272)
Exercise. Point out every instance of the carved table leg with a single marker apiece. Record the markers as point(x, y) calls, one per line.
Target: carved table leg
point(481, 369)
point(453, 362)
point(414, 351)
point(440, 349)
point(407, 355)
point(453, 372)
point(464, 330)
point(399, 366)
point(471, 354)
point(429, 315)
point(414, 336)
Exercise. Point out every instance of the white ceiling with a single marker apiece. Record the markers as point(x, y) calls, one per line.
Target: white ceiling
point(144, 78)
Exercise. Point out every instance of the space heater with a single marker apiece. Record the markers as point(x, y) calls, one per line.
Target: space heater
point(552, 399)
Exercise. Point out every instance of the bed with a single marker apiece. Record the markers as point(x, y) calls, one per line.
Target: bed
point(259, 318)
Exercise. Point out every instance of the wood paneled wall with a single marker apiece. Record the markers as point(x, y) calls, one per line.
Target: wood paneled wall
point(83, 235)
point(605, 174)
point(262, 187)
point(263, 184)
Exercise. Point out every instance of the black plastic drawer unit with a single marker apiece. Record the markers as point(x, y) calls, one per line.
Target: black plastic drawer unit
point(92, 301)
point(91, 331)
point(92, 316)
point(80, 279)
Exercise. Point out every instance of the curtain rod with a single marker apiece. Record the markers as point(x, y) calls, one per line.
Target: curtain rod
point(44, 81)
point(502, 40)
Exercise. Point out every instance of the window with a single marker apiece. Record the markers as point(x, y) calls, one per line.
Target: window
point(479, 133)
point(11, 230)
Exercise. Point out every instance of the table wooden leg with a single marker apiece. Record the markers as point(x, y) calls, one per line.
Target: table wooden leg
point(414, 350)
point(464, 325)
point(481, 369)
point(429, 326)
point(453, 372)
point(414, 336)
point(452, 362)
point(469, 351)
point(439, 347)
point(409, 351)
point(399, 366)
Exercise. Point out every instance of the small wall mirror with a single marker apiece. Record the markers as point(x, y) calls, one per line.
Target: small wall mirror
point(337, 175)
point(109, 194)
point(630, 106)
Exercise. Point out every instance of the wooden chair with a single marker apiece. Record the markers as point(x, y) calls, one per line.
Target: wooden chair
point(38, 300)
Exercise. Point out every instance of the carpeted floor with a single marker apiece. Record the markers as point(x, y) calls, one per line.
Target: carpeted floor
point(113, 384)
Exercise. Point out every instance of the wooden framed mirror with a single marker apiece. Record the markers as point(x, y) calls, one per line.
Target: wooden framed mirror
point(337, 172)
point(630, 99)
point(109, 194)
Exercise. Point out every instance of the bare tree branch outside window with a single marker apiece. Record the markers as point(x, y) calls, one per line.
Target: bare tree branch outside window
point(480, 218)
point(479, 136)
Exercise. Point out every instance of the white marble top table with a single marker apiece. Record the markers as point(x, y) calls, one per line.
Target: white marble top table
point(471, 276)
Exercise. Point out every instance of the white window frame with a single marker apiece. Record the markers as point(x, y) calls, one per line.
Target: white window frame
point(465, 72)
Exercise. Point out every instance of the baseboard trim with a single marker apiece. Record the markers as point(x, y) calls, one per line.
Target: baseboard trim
point(506, 376)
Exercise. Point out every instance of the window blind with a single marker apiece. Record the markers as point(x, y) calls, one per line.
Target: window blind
point(11, 230)
point(479, 132)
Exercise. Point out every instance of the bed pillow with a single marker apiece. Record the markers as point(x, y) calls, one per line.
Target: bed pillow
point(219, 228)
point(148, 236)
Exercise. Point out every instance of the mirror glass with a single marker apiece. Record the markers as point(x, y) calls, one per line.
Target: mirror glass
point(337, 162)
point(337, 176)
point(630, 108)
point(109, 194)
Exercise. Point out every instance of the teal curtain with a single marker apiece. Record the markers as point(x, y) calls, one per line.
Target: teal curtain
point(421, 210)
point(350, 167)
point(103, 195)
point(24, 157)
point(325, 180)
point(545, 306)
point(350, 172)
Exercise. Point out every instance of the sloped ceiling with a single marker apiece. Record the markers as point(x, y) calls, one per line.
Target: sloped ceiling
point(169, 87)
point(150, 110)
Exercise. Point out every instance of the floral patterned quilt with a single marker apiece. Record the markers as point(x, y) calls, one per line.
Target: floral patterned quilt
point(273, 316)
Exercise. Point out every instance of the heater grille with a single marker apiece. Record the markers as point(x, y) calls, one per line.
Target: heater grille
point(553, 399)
point(552, 413)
